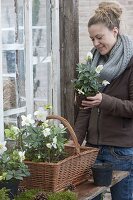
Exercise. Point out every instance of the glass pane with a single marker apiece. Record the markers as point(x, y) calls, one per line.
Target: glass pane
point(9, 93)
point(41, 49)
point(13, 53)
point(13, 119)
point(14, 72)
point(12, 21)
point(13, 57)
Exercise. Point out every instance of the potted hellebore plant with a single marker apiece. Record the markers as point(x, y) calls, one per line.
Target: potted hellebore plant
point(88, 81)
point(12, 168)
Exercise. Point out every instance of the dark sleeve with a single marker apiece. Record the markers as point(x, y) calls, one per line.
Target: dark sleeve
point(81, 124)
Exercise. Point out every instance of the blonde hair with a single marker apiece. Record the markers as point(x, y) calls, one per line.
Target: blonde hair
point(108, 13)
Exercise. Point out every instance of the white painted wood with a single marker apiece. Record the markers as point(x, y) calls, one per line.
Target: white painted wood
point(28, 55)
point(14, 111)
point(1, 87)
point(11, 75)
point(45, 60)
point(21, 28)
point(13, 47)
point(56, 57)
point(40, 99)
point(41, 59)
point(39, 27)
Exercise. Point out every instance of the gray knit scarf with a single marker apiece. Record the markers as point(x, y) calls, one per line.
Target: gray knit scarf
point(116, 62)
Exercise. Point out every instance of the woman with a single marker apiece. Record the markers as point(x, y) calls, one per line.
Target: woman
point(107, 118)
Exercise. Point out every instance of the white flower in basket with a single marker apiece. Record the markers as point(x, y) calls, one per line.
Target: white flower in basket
point(41, 139)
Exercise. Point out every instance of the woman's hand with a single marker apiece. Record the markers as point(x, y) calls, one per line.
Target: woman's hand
point(92, 101)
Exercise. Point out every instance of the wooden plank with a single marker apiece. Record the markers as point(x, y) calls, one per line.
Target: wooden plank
point(69, 54)
point(88, 190)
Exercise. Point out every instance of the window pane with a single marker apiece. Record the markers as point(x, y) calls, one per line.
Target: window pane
point(14, 55)
point(13, 59)
point(41, 50)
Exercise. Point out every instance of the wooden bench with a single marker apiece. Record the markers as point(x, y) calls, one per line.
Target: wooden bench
point(87, 190)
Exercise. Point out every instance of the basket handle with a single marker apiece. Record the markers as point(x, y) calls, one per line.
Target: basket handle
point(70, 129)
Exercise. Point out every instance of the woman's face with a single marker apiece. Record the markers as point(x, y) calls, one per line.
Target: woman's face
point(103, 38)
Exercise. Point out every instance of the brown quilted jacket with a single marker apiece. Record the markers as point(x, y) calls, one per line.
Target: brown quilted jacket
point(112, 122)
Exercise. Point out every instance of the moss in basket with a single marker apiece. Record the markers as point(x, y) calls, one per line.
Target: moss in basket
point(27, 195)
point(34, 194)
point(67, 195)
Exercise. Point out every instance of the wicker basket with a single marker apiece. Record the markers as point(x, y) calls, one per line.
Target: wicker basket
point(73, 170)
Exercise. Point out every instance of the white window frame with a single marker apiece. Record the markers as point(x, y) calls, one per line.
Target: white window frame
point(56, 58)
point(53, 59)
point(28, 56)
point(1, 86)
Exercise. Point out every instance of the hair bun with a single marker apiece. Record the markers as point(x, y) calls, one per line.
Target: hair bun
point(111, 6)
point(107, 13)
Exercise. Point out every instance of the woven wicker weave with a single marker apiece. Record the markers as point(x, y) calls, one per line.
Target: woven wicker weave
point(71, 171)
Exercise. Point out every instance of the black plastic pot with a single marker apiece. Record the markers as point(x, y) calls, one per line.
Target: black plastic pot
point(12, 185)
point(79, 99)
point(102, 174)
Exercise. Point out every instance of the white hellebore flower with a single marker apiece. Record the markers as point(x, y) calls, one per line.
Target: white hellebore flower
point(49, 145)
point(80, 91)
point(105, 83)
point(2, 147)
point(89, 56)
point(45, 124)
point(46, 132)
point(54, 143)
point(61, 126)
point(41, 114)
point(26, 121)
point(22, 155)
point(98, 69)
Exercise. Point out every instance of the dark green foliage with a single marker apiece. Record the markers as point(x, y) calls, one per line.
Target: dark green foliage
point(4, 194)
point(27, 195)
point(35, 142)
point(88, 81)
point(11, 166)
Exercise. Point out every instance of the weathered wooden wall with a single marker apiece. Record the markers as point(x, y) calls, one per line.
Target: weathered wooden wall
point(69, 54)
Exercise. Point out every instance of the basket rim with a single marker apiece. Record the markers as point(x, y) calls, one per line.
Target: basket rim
point(86, 151)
